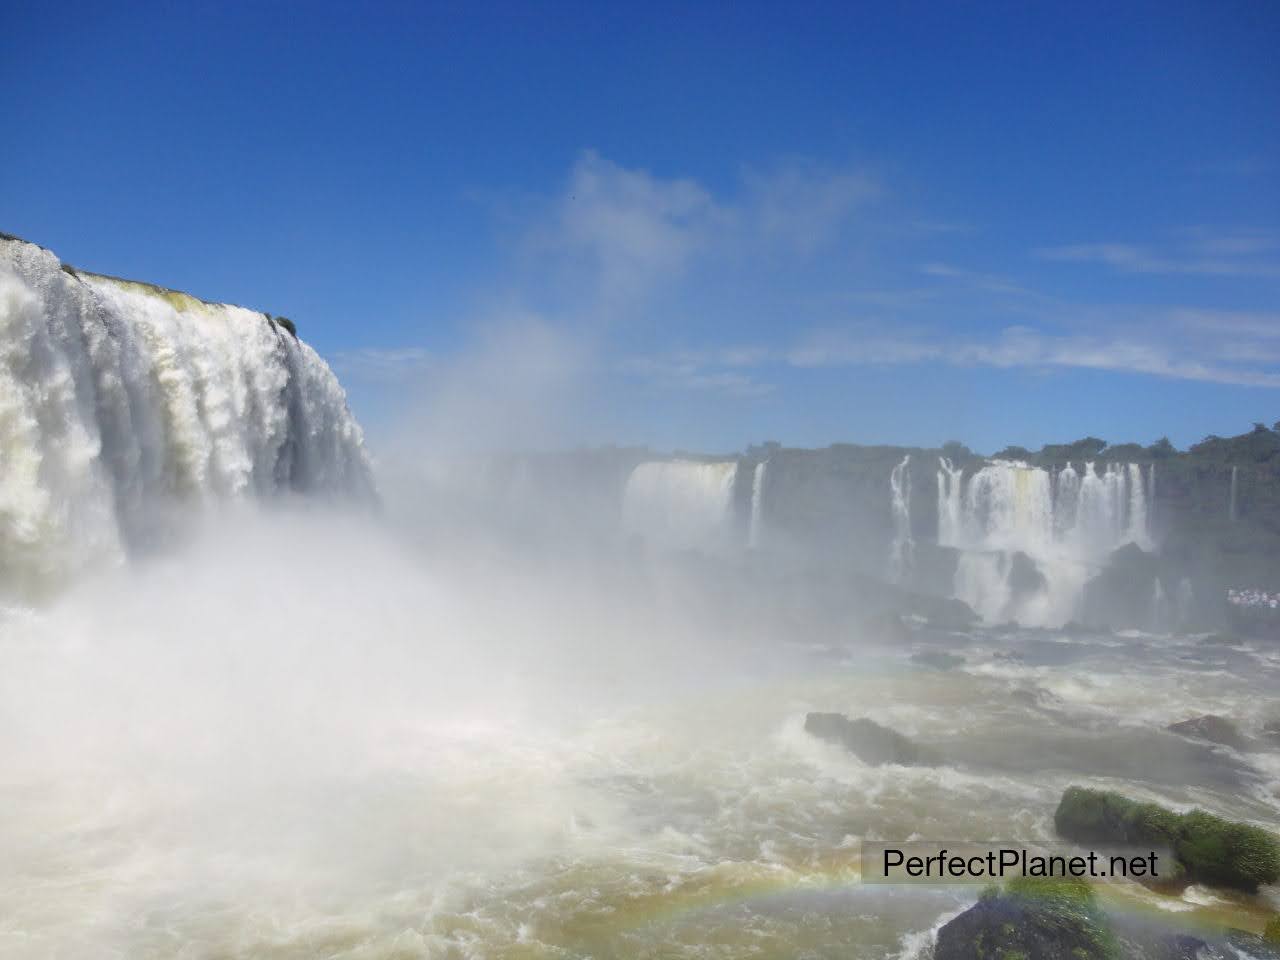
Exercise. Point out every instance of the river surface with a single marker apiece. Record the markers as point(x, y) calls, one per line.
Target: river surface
point(504, 773)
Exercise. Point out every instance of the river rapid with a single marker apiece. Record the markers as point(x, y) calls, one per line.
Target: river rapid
point(307, 737)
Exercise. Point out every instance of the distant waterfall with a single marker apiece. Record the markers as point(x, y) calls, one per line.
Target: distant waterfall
point(1235, 485)
point(1066, 523)
point(1151, 496)
point(681, 504)
point(903, 546)
point(949, 521)
point(1137, 530)
point(120, 402)
point(757, 504)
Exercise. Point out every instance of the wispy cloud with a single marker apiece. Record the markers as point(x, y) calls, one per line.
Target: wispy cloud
point(719, 371)
point(802, 207)
point(394, 365)
point(1198, 251)
point(1020, 346)
point(989, 282)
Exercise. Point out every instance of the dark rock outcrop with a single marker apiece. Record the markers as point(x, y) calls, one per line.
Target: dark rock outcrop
point(937, 659)
point(1212, 729)
point(1030, 920)
point(1120, 597)
point(868, 741)
point(1025, 578)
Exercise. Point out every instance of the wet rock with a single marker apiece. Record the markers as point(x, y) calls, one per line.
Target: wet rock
point(1213, 729)
point(1140, 939)
point(1156, 756)
point(1030, 920)
point(1120, 597)
point(947, 613)
point(1271, 730)
point(938, 659)
point(1221, 640)
point(1025, 578)
point(1206, 848)
point(1265, 947)
point(868, 741)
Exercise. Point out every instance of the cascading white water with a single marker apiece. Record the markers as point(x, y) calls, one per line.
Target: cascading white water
point(902, 549)
point(1066, 524)
point(757, 504)
point(681, 504)
point(1151, 496)
point(1138, 528)
point(120, 401)
point(950, 480)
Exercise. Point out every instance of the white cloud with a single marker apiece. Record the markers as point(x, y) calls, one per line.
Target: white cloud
point(629, 228)
point(718, 371)
point(1021, 346)
point(802, 208)
point(1198, 252)
point(621, 234)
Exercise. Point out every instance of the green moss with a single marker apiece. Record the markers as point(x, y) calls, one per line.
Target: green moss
point(1048, 918)
point(1226, 853)
point(1207, 848)
point(1272, 933)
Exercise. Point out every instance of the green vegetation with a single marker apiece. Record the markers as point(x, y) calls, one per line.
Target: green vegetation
point(1272, 933)
point(1048, 919)
point(288, 325)
point(1207, 848)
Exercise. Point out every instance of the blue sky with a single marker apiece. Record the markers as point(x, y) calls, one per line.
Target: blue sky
point(691, 225)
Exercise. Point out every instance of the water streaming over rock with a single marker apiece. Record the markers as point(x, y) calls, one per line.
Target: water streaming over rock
point(681, 504)
point(903, 546)
point(757, 504)
point(121, 402)
point(1067, 525)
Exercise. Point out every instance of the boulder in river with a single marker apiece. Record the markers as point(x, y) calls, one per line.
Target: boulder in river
point(868, 741)
point(1031, 919)
point(937, 659)
point(1213, 729)
point(1206, 848)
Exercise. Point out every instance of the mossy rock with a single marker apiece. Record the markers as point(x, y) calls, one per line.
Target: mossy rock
point(1217, 851)
point(1032, 919)
point(288, 325)
point(1272, 933)
point(1207, 848)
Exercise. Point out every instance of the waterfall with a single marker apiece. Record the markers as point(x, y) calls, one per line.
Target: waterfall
point(902, 548)
point(949, 483)
point(121, 402)
point(1235, 483)
point(982, 581)
point(1066, 501)
point(681, 504)
point(757, 504)
point(1067, 524)
point(1137, 527)
point(1151, 496)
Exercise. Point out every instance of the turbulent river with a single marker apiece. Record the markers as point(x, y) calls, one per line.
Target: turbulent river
point(208, 758)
